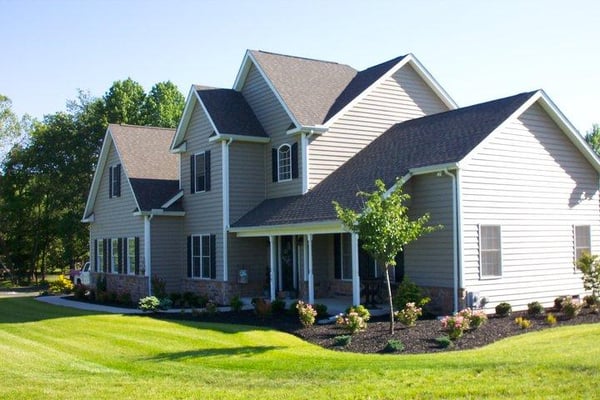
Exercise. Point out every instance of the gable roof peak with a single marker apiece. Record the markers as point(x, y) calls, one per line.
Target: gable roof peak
point(269, 53)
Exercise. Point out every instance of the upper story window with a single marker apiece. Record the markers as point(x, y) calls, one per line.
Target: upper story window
point(114, 181)
point(285, 162)
point(583, 240)
point(200, 172)
point(490, 251)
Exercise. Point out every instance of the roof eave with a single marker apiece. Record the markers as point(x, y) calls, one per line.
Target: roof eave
point(239, 138)
point(319, 227)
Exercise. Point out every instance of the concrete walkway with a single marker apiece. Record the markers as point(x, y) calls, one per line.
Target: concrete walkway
point(60, 301)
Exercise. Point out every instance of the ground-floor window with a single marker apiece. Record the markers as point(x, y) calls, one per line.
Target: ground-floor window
point(202, 256)
point(583, 240)
point(342, 249)
point(117, 255)
point(490, 251)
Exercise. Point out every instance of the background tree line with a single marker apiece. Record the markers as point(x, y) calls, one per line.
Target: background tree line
point(46, 169)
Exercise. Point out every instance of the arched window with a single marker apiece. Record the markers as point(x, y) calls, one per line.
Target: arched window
point(284, 163)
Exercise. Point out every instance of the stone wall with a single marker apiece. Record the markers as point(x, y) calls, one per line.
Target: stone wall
point(135, 285)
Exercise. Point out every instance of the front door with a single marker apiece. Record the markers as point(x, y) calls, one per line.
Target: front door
point(287, 268)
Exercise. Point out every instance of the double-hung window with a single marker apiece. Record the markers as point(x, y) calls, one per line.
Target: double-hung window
point(131, 256)
point(200, 172)
point(490, 251)
point(100, 255)
point(114, 181)
point(284, 163)
point(115, 256)
point(202, 257)
point(583, 240)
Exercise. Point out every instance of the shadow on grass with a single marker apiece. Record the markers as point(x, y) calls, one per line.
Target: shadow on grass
point(245, 351)
point(21, 309)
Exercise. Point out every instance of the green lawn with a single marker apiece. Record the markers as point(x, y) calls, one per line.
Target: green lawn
point(54, 352)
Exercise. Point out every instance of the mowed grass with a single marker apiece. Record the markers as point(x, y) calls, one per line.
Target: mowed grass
point(55, 352)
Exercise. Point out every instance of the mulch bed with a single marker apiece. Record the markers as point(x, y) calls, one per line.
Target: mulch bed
point(418, 339)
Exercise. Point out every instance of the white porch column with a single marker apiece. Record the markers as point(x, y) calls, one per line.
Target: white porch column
point(273, 264)
point(148, 252)
point(311, 278)
point(355, 277)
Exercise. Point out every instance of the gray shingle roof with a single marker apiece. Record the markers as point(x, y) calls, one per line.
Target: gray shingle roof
point(432, 140)
point(152, 170)
point(315, 90)
point(230, 112)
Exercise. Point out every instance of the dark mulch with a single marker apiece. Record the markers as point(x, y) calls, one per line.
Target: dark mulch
point(418, 339)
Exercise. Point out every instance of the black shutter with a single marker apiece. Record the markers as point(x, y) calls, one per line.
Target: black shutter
point(213, 256)
point(118, 180)
point(106, 254)
point(337, 260)
point(137, 255)
point(110, 182)
point(95, 252)
point(295, 161)
point(207, 171)
point(192, 174)
point(274, 164)
point(189, 256)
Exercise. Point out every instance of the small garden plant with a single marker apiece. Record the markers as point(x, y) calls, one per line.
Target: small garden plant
point(535, 309)
point(571, 307)
point(409, 314)
point(149, 304)
point(476, 317)
point(524, 323)
point(393, 346)
point(236, 304)
point(342, 340)
point(306, 313)
point(455, 325)
point(355, 319)
point(444, 342)
point(503, 309)
point(550, 319)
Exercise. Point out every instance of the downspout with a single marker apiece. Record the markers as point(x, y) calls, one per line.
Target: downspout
point(147, 251)
point(225, 178)
point(454, 240)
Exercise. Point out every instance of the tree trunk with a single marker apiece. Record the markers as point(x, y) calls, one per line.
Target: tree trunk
point(389, 287)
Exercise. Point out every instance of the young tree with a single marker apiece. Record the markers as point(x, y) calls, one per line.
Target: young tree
point(384, 227)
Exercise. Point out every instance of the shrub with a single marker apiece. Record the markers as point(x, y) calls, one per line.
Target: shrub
point(236, 304)
point(262, 307)
point(476, 317)
point(503, 310)
point(211, 308)
point(409, 292)
point(590, 300)
point(550, 319)
point(393, 346)
point(165, 303)
point(589, 265)
point(558, 303)
point(278, 306)
point(571, 307)
point(444, 342)
point(124, 298)
point(409, 314)
point(524, 323)
point(535, 308)
point(455, 325)
point(354, 320)
point(342, 340)
point(306, 313)
point(321, 309)
point(176, 298)
point(80, 291)
point(149, 303)
point(159, 286)
point(62, 285)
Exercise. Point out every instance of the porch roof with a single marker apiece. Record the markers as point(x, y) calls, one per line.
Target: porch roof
point(439, 139)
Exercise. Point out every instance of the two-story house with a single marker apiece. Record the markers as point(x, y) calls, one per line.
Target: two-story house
point(241, 196)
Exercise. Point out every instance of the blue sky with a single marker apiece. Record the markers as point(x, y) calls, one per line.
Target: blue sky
point(477, 50)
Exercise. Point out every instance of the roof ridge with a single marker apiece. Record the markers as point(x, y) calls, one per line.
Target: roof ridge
point(143, 126)
point(301, 58)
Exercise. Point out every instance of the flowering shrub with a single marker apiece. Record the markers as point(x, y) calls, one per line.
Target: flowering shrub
point(571, 307)
point(61, 285)
point(524, 323)
point(149, 303)
point(476, 317)
point(455, 325)
point(355, 319)
point(409, 314)
point(306, 313)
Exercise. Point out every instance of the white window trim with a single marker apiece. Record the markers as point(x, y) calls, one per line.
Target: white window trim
point(201, 256)
point(279, 178)
point(203, 153)
point(575, 247)
point(114, 244)
point(130, 268)
point(100, 255)
point(112, 170)
point(481, 275)
point(342, 249)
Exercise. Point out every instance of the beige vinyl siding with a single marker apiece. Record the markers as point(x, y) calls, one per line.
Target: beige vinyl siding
point(168, 250)
point(203, 210)
point(401, 97)
point(429, 260)
point(247, 186)
point(253, 255)
point(113, 218)
point(532, 181)
point(276, 121)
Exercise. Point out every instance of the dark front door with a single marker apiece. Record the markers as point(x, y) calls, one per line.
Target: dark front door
point(286, 262)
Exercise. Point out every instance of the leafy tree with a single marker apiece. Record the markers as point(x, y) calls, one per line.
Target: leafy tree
point(589, 265)
point(12, 131)
point(124, 101)
point(384, 227)
point(163, 105)
point(593, 138)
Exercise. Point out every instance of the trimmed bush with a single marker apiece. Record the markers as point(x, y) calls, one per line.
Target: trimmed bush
point(535, 308)
point(342, 340)
point(321, 309)
point(393, 346)
point(149, 304)
point(503, 310)
point(444, 342)
point(571, 307)
point(409, 292)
